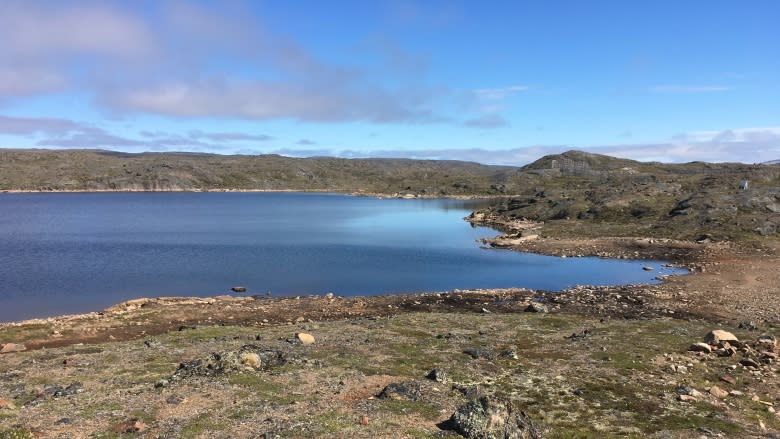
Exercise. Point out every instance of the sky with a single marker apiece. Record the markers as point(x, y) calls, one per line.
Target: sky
point(499, 82)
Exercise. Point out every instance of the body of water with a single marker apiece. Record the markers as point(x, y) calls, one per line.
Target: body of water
point(77, 252)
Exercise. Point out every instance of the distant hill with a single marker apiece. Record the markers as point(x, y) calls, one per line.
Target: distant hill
point(574, 193)
point(772, 162)
point(574, 160)
point(62, 170)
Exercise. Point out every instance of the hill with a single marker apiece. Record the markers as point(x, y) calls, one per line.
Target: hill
point(47, 170)
point(574, 193)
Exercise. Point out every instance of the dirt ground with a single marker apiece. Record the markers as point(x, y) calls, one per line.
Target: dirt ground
point(595, 362)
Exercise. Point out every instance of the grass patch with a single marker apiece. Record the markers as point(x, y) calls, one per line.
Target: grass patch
point(16, 433)
point(401, 407)
point(200, 425)
point(262, 388)
point(16, 334)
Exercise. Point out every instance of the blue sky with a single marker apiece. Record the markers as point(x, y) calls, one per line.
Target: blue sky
point(494, 82)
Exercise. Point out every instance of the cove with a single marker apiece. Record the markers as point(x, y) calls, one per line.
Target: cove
point(66, 253)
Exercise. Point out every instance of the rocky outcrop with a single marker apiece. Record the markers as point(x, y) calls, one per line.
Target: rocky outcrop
point(491, 417)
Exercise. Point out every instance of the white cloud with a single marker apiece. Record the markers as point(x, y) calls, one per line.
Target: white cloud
point(25, 81)
point(34, 30)
point(270, 100)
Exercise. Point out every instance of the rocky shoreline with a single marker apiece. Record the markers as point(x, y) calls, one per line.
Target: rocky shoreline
point(588, 361)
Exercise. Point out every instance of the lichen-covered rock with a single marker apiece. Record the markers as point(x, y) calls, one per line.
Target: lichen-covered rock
point(410, 390)
point(491, 417)
point(218, 363)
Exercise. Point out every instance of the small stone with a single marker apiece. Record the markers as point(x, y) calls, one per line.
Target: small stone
point(485, 311)
point(130, 426)
point(330, 296)
point(67, 362)
point(536, 307)
point(749, 362)
point(728, 379)
point(647, 268)
point(174, 399)
point(300, 320)
point(717, 336)
point(251, 360)
point(364, 420)
point(767, 342)
point(736, 393)
point(718, 392)
point(239, 289)
point(7, 405)
point(305, 338)
point(12, 347)
point(161, 383)
point(686, 398)
point(700, 347)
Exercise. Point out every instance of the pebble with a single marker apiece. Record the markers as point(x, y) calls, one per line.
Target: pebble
point(718, 392)
point(7, 405)
point(305, 338)
point(749, 362)
point(364, 420)
point(728, 379)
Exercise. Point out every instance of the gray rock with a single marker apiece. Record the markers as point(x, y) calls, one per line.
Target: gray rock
point(492, 417)
point(437, 375)
point(409, 390)
point(219, 363)
point(536, 307)
point(477, 353)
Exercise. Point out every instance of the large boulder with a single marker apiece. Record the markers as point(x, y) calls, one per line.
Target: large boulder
point(492, 417)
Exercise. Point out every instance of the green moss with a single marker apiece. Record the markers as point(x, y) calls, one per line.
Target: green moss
point(263, 388)
point(16, 433)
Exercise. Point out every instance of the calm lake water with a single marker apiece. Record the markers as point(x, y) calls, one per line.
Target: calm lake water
point(78, 252)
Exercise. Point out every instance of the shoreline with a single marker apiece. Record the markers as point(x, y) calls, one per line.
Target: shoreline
point(584, 362)
point(379, 195)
